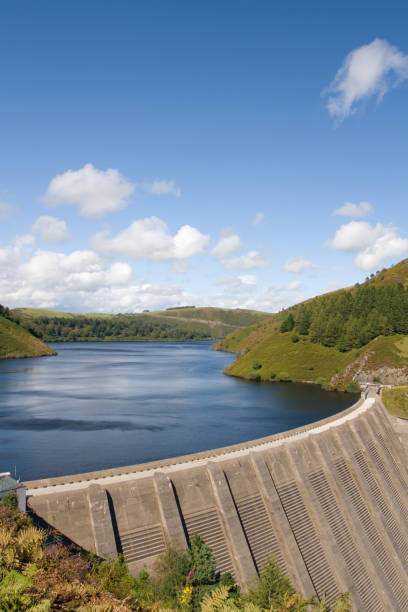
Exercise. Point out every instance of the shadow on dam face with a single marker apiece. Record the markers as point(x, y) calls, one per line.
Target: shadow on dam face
point(329, 501)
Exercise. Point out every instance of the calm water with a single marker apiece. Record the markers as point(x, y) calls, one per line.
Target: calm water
point(97, 406)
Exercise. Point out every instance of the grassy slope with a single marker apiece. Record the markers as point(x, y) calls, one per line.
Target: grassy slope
point(263, 344)
point(236, 317)
point(396, 400)
point(17, 342)
point(211, 322)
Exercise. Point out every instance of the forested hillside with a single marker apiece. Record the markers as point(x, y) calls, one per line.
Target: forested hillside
point(350, 319)
point(353, 335)
point(176, 324)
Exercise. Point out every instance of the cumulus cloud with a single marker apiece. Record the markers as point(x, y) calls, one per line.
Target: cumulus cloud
point(370, 244)
point(370, 70)
point(79, 270)
point(259, 219)
point(292, 286)
point(51, 229)
point(237, 284)
point(82, 281)
point(162, 187)
point(150, 238)
point(298, 265)
point(6, 210)
point(252, 260)
point(227, 245)
point(95, 192)
point(354, 210)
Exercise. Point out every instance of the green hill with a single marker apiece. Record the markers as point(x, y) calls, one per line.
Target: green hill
point(353, 335)
point(16, 341)
point(188, 323)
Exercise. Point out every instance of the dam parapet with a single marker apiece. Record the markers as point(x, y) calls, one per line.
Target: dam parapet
point(329, 501)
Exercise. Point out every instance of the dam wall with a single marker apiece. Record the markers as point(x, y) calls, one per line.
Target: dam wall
point(328, 500)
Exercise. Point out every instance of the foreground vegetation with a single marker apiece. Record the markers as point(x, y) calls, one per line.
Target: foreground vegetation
point(176, 324)
point(336, 340)
point(38, 575)
point(18, 342)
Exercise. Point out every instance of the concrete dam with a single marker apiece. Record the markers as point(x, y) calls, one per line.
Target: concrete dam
point(328, 500)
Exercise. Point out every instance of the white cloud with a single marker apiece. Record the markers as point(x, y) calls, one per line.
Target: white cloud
point(95, 192)
point(259, 219)
point(237, 284)
point(77, 271)
point(371, 244)
point(292, 286)
point(253, 259)
point(82, 281)
point(150, 238)
point(162, 187)
point(248, 279)
point(6, 210)
point(298, 265)
point(227, 245)
point(354, 210)
point(370, 70)
point(51, 229)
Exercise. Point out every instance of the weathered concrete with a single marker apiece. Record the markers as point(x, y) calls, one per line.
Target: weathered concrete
point(329, 501)
point(102, 524)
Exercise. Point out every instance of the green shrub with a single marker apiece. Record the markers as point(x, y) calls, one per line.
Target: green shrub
point(269, 590)
point(10, 501)
point(272, 375)
point(254, 376)
point(256, 365)
point(353, 387)
point(294, 338)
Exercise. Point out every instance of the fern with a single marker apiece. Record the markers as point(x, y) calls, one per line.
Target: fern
point(214, 601)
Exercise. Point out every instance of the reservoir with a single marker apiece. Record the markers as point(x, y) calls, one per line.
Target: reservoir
point(103, 405)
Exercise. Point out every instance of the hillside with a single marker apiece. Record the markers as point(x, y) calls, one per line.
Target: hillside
point(17, 342)
point(358, 334)
point(170, 325)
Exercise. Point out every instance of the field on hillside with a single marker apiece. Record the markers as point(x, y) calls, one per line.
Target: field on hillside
point(16, 342)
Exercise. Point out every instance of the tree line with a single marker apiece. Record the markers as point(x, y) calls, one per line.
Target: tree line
point(350, 319)
point(80, 328)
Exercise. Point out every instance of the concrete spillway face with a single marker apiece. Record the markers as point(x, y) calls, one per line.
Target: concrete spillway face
point(329, 501)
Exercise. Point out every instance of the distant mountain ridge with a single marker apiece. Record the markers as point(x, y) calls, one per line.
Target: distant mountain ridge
point(189, 323)
point(349, 336)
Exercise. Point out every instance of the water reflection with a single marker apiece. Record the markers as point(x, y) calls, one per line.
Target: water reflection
point(97, 405)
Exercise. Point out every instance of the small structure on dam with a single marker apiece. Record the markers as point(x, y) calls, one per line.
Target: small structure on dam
point(328, 500)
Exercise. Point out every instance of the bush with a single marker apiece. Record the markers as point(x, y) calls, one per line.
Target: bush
point(270, 589)
point(353, 387)
point(10, 501)
point(294, 338)
point(256, 365)
point(272, 376)
point(254, 376)
point(284, 377)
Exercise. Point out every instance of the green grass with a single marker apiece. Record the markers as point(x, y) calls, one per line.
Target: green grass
point(302, 360)
point(396, 400)
point(236, 317)
point(16, 342)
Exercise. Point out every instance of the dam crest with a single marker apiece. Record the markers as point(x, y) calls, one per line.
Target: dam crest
point(329, 501)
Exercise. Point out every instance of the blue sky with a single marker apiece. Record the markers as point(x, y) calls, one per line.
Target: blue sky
point(159, 153)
